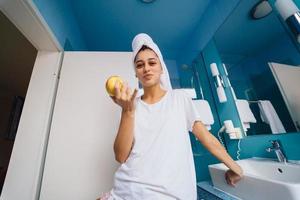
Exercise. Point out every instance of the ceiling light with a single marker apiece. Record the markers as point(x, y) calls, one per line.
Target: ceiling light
point(290, 14)
point(147, 1)
point(261, 10)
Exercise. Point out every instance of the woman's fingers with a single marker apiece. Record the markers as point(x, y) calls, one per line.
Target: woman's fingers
point(128, 93)
point(134, 94)
point(123, 96)
point(117, 91)
point(232, 178)
point(123, 91)
point(227, 178)
point(231, 182)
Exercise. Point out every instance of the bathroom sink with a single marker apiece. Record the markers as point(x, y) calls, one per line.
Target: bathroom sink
point(263, 179)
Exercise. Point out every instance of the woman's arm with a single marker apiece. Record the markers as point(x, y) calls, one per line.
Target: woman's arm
point(124, 139)
point(214, 146)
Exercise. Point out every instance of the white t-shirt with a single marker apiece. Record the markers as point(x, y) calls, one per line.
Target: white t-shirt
point(160, 165)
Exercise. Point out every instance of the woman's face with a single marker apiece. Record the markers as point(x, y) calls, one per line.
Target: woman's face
point(148, 68)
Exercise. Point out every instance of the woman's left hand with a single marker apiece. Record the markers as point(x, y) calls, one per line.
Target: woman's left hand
point(232, 178)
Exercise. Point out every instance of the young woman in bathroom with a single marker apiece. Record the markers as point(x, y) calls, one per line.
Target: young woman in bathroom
point(152, 143)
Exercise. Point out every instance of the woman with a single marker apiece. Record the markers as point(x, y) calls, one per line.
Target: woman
point(152, 143)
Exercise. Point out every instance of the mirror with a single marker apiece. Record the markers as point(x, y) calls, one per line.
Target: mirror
point(262, 59)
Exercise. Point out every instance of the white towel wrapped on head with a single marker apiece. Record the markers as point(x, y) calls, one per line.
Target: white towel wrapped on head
point(138, 42)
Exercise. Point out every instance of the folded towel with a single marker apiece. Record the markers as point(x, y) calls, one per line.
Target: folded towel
point(205, 113)
point(245, 113)
point(268, 115)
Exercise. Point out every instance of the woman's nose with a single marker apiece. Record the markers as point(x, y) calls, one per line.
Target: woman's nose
point(146, 68)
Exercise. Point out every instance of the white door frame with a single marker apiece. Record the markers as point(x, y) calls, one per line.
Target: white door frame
point(24, 175)
point(27, 18)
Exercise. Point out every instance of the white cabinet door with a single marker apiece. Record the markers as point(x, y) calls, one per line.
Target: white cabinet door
point(80, 161)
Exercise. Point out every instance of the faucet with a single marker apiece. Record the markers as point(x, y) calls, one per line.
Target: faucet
point(278, 150)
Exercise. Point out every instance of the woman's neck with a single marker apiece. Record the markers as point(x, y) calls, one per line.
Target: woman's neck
point(153, 94)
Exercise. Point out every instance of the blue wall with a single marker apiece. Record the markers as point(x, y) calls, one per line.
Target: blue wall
point(253, 72)
point(225, 110)
point(214, 16)
point(202, 157)
point(297, 2)
point(191, 55)
point(254, 146)
point(62, 22)
point(221, 111)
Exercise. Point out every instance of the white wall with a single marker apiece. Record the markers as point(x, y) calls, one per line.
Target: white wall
point(80, 161)
point(23, 175)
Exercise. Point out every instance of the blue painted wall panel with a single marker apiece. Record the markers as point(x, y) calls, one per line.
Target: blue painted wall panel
point(255, 146)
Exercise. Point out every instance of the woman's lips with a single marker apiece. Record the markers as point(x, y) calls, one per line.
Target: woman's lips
point(148, 76)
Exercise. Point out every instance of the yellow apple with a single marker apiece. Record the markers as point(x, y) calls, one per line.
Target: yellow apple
point(110, 84)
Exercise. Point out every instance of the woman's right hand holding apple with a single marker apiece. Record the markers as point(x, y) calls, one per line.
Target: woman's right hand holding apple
point(124, 98)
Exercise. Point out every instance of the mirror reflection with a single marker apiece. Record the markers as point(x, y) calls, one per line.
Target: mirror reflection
point(262, 60)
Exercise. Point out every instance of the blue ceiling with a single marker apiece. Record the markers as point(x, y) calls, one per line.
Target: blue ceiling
point(179, 27)
point(110, 25)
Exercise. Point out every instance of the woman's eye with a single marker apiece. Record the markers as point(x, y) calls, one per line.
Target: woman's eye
point(139, 66)
point(152, 63)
